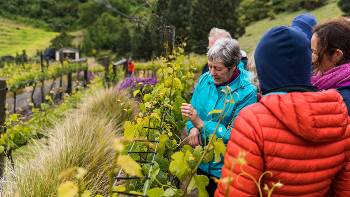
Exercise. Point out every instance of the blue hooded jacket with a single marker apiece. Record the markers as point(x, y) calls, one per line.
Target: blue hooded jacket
point(207, 97)
point(304, 23)
point(283, 60)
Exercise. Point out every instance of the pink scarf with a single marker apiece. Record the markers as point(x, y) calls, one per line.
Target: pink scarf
point(334, 78)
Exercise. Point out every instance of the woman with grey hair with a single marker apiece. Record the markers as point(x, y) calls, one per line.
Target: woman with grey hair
point(214, 35)
point(224, 82)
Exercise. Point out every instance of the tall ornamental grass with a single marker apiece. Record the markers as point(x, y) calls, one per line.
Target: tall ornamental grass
point(83, 139)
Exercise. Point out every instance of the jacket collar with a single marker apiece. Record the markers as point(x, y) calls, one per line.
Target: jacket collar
point(241, 81)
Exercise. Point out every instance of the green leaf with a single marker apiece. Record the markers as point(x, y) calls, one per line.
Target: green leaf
point(129, 130)
point(155, 192)
point(190, 159)
point(129, 165)
point(68, 189)
point(209, 156)
point(219, 148)
point(201, 182)
point(147, 97)
point(136, 92)
point(163, 139)
point(197, 153)
point(2, 149)
point(215, 111)
point(171, 192)
point(178, 166)
point(155, 115)
point(119, 188)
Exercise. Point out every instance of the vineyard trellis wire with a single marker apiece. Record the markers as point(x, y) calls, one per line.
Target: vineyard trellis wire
point(141, 161)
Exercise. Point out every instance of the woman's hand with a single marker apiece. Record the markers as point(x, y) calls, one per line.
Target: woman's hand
point(189, 112)
point(194, 137)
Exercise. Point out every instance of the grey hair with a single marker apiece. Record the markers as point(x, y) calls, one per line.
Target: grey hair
point(226, 51)
point(216, 32)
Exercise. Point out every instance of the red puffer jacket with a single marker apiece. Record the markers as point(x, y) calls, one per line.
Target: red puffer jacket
point(302, 138)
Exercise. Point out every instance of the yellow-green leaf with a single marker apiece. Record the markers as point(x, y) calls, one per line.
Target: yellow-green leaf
point(119, 188)
point(129, 165)
point(199, 182)
point(136, 92)
point(219, 149)
point(155, 192)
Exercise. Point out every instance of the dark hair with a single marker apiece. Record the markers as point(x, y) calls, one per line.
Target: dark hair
point(332, 35)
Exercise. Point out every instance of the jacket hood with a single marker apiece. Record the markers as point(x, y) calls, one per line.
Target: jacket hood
point(314, 116)
point(305, 23)
point(283, 59)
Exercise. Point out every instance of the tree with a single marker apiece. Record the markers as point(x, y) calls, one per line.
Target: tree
point(62, 40)
point(104, 33)
point(124, 42)
point(253, 10)
point(179, 15)
point(344, 6)
point(211, 13)
point(142, 43)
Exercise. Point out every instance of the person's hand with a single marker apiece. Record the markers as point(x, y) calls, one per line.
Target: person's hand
point(189, 112)
point(194, 138)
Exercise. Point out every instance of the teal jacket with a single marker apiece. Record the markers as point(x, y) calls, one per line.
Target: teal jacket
point(207, 97)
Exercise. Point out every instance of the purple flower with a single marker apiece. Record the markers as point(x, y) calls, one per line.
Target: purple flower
point(132, 82)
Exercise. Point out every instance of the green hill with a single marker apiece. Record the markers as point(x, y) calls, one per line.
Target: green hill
point(15, 37)
point(256, 30)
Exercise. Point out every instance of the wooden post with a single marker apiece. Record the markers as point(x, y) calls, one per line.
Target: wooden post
point(114, 70)
point(105, 63)
point(14, 101)
point(61, 77)
point(86, 77)
point(42, 81)
point(69, 83)
point(3, 90)
point(32, 95)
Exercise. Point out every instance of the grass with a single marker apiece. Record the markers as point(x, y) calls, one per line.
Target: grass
point(256, 30)
point(84, 139)
point(15, 37)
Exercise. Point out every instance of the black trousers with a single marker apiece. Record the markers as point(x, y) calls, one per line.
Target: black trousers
point(211, 187)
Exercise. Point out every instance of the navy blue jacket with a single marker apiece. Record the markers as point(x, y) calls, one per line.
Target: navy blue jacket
point(345, 92)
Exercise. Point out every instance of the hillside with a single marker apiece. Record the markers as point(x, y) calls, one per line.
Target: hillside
point(14, 37)
point(256, 30)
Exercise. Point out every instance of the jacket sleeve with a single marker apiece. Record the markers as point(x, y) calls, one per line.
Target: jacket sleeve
point(246, 139)
point(341, 185)
point(189, 124)
point(223, 131)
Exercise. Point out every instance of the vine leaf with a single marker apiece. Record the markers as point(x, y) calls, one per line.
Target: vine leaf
point(129, 165)
point(136, 92)
point(178, 166)
point(219, 148)
point(128, 130)
point(155, 192)
point(199, 182)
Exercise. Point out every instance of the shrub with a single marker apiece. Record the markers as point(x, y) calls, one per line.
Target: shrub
point(344, 6)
